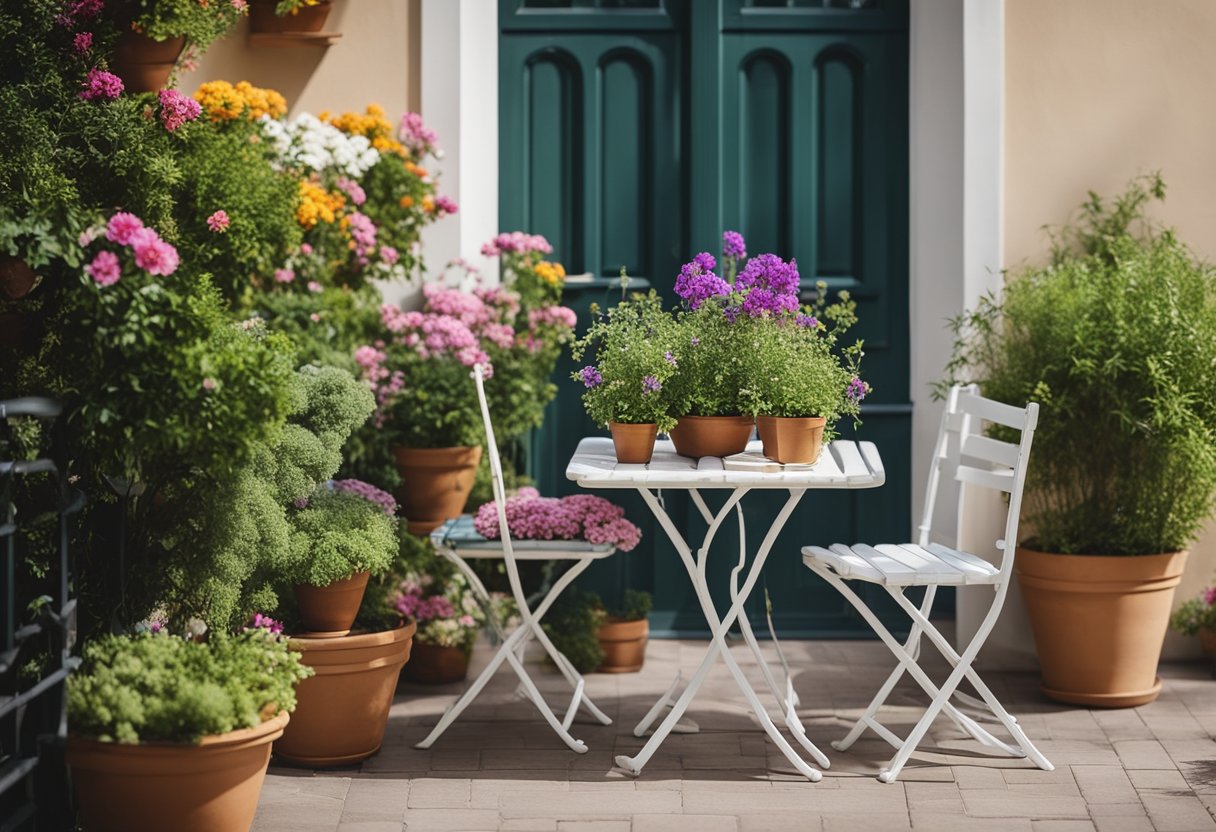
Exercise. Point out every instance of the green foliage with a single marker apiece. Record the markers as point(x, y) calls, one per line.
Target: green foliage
point(710, 352)
point(1116, 339)
point(162, 688)
point(573, 624)
point(795, 370)
point(386, 184)
point(228, 167)
point(635, 606)
point(199, 23)
point(437, 407)
point(344, 319)
point(630, 346)
point(337, 535)
point(1196, 614)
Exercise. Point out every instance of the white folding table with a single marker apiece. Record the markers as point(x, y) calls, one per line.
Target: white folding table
point(841, 465)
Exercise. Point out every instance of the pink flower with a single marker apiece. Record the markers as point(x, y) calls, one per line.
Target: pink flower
point(315, 287)
point(414, 135)
point(315, 318)
point(389, 254)
point(531, 517)
point(209, 384)
point(121, 227)
point(218, 222)
point(352, 189)
point(83, 42)
point(1209, 596)
point(284, 275)
point(100, 85)
point(104, 269)
point(305, 248)
point(240, 5)
point(176, 109)
point(152, 254)
point(516, 242)
point(444, 205)
point(265, 622)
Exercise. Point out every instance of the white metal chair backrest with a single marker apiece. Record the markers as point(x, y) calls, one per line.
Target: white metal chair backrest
point(972, 458)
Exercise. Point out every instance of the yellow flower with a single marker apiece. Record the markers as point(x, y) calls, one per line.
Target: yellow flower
point(372, 124)
point(224, 102)
point(407, 201)
point(317, 205)
point(417, 170)
point(428, 204)
point(551, 273)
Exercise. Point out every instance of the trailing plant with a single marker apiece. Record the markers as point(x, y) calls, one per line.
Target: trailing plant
point(632, 346)
point(345, 527)
point(1116, 339)
point(200, 24)
point(1196, 614)
point(156, 687)
point(572, 624)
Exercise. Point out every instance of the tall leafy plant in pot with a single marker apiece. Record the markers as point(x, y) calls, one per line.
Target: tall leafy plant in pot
point(1116, 337)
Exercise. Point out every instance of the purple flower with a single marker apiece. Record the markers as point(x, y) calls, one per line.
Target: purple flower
point(807, 320)
point(368, 492)
point(760, 302)
point(100, 85)
point(697, 282)
point(731, 313)
point(104, 269)
point(694, 340)
point(670, 359)
point(176, 109)
point(265, 622)
point(733, 245)
point(1209, 596)
point(650, 384)
point(591, 377)
point(771, 284)
point(857, 389)
point(83, 42)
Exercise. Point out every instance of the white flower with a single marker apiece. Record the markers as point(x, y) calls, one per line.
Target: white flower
point(196, 627)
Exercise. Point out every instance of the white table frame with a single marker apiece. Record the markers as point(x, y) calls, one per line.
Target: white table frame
point(841, 465)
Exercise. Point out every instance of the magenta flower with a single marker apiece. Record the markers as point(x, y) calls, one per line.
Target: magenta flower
point(104, 269)
point(809, 321)
point(218, 222)
point(444, 205)
point(733, 245)
point(284, 275)
point(857, 389)
point(305, 248)
point(1209, 596)
point(176, 109)
point(697, 282)
point(670, 359)
point(516, 242)
point(265, 622)
point(152, 254)
point(121, 227)
point(100, 85)
point(771, 284)
point(83, 42)
point(586, 516)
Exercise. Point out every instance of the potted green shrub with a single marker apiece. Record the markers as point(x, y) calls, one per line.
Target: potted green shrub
point(173, 733)
point(1197, 617)
point(799, 383)
point(624, 634)
point(343, 532)
point(153, 34)
point(632, 345)
point(573, 624)
point(1116, 338)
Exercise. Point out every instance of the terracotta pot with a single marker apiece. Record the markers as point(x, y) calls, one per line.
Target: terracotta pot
point(342, 711)
point(17, 279)
point(143, 64)
point(624, 645)
point(698, 436)
point(186, 788)
point(634, 444)
point(1207, 641)
point(263, 20)
point(330, 610)
point(431, 664)
point(435, 484)
point(794, 440)
point(1099, 622)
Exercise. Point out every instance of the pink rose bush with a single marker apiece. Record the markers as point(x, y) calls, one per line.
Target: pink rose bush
point(577, 517)
point(136, 243)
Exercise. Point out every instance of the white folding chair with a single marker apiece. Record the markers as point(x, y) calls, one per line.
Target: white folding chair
point(511, 650)
point(976, 460)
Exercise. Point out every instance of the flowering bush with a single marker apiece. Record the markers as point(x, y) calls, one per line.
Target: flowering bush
point(1196, 614)
point(223, 101)
point(156, 687)
point(448, 612)
point(344, 527)
point(199, 23)
point(577, 517)
point(633, 347)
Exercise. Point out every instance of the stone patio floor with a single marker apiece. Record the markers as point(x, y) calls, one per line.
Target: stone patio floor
point(500, 767)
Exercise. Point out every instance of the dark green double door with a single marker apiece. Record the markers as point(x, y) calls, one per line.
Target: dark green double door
point(632, 132)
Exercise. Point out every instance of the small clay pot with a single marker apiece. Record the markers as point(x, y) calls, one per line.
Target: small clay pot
point(263, 20)
point(634, 444)
point(433, 664)
point(17, 279)
point(1099, 622)
point(791, 440)
point(144, 64)
point(435, 484)
point(342, 711)
point(698, 436)
point(179, 786)
point(330, 610)
point(624, 645)
point(1207, 641)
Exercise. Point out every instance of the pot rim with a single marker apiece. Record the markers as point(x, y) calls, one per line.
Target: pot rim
point(355, 641)
point(740, 417)
point(812, 419)
point(225, 741)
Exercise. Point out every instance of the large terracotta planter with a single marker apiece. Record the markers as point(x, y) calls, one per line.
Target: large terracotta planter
point(17, 279)
point(634, 444)
point(342, 711)
point(793, 440)
point(432, 664)
point(698, 436)
point(143, 64)
point(330, 610)
point(1099, 622)
point(187, 788)
point(435, 484)
point(263, 20)
point(624, 645)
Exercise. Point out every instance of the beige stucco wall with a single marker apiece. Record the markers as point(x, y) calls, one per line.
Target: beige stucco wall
point(375, 60)
point(1096, 92)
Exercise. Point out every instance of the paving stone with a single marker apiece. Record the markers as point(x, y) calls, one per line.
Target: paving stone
point(451, 820)
point(1172, 812)
point(683, 823)
point(977, 777)
point(1143, 754)
point(1157, 779)
point(430, 793)
point(371, 826)
point(961, 823)
point(593, 826)
point(1062, 826)
point(1123, 824)
point(590, 805)
point(995, 803)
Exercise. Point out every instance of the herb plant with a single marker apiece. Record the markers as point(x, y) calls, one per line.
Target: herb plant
point(344, 527)
point(165, 688)
point(1116, 339)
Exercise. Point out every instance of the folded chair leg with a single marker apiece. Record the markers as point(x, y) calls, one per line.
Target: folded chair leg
point(576, 745)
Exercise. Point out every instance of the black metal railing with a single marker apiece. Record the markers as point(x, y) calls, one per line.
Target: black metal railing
point(37, 625)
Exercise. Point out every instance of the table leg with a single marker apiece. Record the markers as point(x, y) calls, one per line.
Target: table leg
point(720, 626)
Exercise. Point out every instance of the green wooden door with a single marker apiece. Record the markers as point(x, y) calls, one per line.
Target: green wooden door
point(632, 132)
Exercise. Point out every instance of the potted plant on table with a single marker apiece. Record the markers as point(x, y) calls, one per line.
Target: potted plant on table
point(173, 733)
point(632, 345)
point(1197, 617)
point(1116, 338)
point(624, 634)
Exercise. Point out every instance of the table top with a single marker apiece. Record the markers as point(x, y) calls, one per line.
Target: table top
point(842, 464)
point(459, 535)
